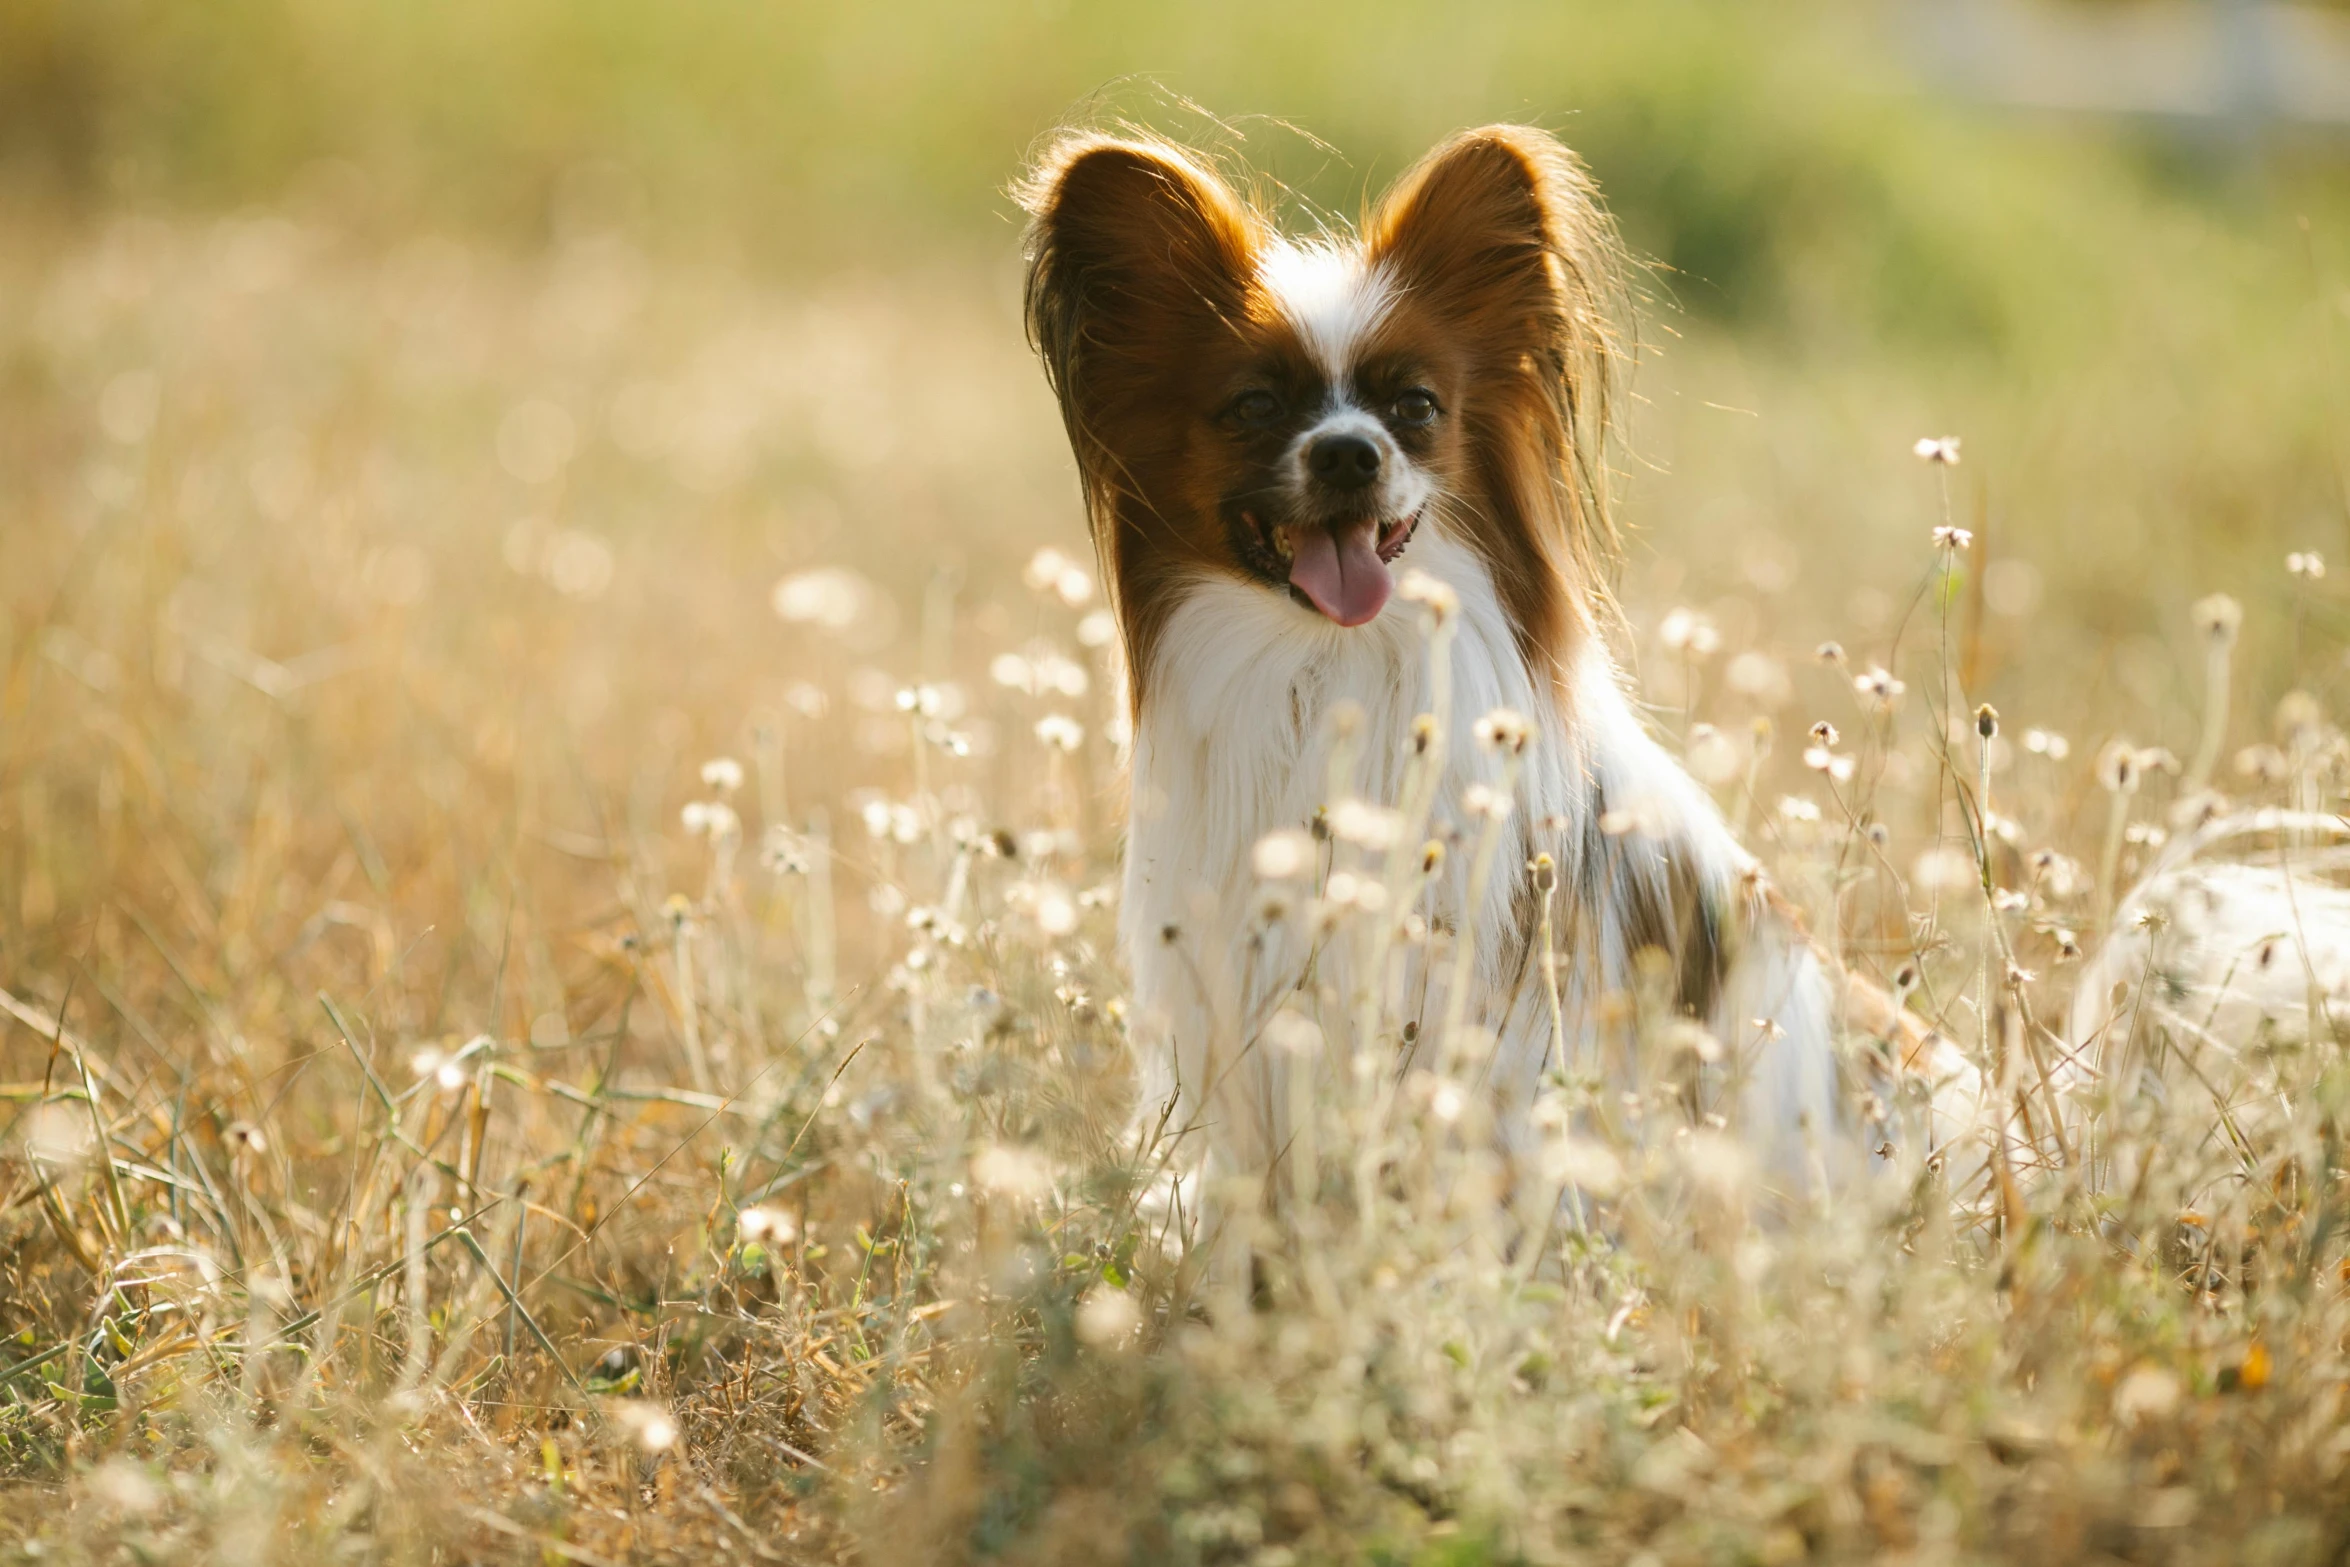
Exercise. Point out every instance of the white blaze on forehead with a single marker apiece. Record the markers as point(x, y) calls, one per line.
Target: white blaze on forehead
point(1330, 295)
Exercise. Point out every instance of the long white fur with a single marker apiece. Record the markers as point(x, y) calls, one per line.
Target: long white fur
point(1235, 741)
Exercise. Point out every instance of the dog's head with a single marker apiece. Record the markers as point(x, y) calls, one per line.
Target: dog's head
point(1290, 412)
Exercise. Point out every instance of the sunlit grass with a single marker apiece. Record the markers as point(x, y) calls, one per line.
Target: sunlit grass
point(561, 837)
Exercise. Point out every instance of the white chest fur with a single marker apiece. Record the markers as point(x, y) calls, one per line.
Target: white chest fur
point(1237, 739)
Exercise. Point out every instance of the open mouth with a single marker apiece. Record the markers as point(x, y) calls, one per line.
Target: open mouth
point(1338, 569)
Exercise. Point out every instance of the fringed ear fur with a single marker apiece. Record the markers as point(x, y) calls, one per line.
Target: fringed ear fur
point(1498, 237)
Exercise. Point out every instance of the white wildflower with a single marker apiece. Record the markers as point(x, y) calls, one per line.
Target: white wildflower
point(1054, 908)
point(1365, 825)
point(1346, 890)
point(1712, 758)
point(1485, 803)
point(833, 598)
point(1502, 729)
point(1436, 597)
point(1687, 632)
point(2147, 1393)
point(2218, 617)
point(1107, 1318)
point(2120, 767)
point(710, 819)
point(1835, 764)
point(1877, 686)
point(1584, 1164)
point(766, 1226)
point(1022, 1174)
point(1942, 869)
point(1293, 1034)
point(647, 1424)
point(1052, 573)
point(1284, 854)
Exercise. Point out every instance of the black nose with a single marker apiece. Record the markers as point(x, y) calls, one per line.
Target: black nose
point(1344, 462)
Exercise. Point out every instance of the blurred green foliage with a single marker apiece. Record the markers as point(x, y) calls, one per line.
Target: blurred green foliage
point(2137, 335)
point(1764, 154)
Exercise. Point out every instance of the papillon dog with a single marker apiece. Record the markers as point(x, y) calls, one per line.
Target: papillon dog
point(1350, 498)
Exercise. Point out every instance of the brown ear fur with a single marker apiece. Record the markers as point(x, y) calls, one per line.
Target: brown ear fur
point(1139, 260)
point(1498, 235)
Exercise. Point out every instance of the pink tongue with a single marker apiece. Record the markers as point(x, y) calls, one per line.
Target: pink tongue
point(1344, 577)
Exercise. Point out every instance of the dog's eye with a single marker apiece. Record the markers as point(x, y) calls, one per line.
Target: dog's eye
point(1416, 407)
point(1253, 410)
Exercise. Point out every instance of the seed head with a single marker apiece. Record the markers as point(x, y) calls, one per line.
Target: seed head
point(1686, 631)
point(2219, 618)
point(2118, 768)
point(1877, 686)
point(928, 701)
point(709, 819)
point(1986, 721)
point(1107, 1318)
point(1822, 760)
point(1937, 448)
point(649, 1425)
point(1055, 575)
point(1503, 729)
point(2298, 715)
point(1484, 803)
point(1437, 598)
point(759, 1225)
point(1365, 825)
point(2264, 762)
point(1284, 855)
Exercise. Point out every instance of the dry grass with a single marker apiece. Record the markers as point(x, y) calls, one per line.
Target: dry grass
point(526, 1142)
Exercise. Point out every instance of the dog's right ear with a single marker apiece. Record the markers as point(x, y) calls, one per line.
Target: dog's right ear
point(1134, 249)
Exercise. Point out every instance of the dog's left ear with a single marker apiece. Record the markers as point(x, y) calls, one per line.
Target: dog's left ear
point(1499, 237)
point(1499, 228)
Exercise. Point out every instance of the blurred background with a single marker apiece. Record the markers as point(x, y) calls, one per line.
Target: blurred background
point(2100, 241)
point(533, 521)
point(527, 348)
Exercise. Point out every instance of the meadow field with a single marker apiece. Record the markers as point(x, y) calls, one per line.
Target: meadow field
point(560, 808)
